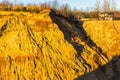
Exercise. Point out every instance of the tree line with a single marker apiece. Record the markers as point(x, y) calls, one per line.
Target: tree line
point(65, 10)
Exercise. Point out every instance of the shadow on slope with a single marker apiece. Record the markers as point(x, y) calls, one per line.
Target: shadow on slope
point(110, 71)
point(74, 28)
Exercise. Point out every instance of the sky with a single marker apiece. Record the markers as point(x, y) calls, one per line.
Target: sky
point(78, 4)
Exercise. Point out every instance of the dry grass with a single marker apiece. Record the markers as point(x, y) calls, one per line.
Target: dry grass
point(106, 35)
point(33, 47)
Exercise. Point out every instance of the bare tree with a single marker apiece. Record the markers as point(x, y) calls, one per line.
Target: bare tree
point(64, 9)
point(55, 5)
point(106, 5)
point(113, 6)
point(97, 8)
point(5, 5)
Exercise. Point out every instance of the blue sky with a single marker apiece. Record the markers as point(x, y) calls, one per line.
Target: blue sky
point(79, 4)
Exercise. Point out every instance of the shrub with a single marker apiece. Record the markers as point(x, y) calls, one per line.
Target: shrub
point(7, 9)
point(71, 16)
point(36, 10)
point(17, 9)
point(24, 9)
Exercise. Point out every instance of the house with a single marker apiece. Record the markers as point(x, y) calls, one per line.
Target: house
point(106, 16)
point(117, 16)
point(109, 16)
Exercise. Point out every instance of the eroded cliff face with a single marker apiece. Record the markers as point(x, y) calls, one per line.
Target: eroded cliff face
point(46, 46)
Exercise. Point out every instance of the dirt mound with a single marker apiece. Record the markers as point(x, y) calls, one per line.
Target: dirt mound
point(46, 46)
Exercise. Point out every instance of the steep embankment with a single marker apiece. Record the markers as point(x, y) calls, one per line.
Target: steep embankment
point(106, 34)
point(46, 46)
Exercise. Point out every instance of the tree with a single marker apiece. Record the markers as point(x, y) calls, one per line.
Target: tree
point(113, 6)
point(55, 5)
point(5, 5)
point(106, 5)
point(45, 5)
point(97, 8)
point(65, 9)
